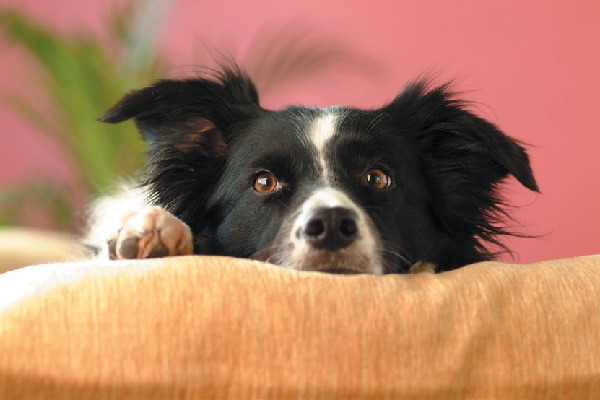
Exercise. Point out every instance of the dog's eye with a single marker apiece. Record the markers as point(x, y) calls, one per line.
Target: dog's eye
point(378, 179)
point(266, 182)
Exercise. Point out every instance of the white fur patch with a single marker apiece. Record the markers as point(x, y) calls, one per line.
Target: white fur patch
point(329, 197)
point(107, 213)
point(324, 128)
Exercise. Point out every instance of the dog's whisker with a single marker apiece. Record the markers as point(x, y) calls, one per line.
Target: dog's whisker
point(397, 255)
point(371, 128)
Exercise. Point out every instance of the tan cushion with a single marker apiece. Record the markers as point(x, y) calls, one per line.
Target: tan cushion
point(209, 327)
point(20, 247)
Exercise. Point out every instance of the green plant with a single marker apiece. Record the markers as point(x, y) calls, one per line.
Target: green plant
point(81, 74)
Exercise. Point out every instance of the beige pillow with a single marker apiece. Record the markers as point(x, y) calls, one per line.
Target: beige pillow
point(20, 247)
point(212, 327)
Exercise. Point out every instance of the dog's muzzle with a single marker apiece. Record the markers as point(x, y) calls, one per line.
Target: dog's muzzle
point(329, 233)
point(330, 229)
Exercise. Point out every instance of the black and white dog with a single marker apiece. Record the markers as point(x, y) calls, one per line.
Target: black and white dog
point(334, 189)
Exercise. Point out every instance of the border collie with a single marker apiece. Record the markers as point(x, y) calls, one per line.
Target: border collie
point(338, 189)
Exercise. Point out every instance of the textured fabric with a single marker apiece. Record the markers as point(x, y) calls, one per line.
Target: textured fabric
point(209, 327)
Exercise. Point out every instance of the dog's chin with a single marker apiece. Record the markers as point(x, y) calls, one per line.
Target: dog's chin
point(338, 262)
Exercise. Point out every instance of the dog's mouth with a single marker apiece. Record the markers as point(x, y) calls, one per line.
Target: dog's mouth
point(340, 271)
point(318, 261)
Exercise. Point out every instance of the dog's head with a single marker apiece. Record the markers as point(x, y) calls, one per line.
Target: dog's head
point(333, 189)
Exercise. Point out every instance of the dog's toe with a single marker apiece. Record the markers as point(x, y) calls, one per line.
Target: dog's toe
point(151, 233)
point(129, 247)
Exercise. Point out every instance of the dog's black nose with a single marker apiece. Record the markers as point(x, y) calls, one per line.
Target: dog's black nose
point(331, 228)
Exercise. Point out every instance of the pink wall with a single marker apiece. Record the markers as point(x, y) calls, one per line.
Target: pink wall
point(533, 66)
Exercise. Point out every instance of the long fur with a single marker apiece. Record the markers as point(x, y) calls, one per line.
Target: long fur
point(466, 159)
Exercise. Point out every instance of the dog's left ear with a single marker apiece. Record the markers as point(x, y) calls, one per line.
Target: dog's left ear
point(462, 151)
point(192, 115)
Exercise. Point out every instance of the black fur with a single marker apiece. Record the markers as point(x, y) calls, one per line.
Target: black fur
point(208, 138)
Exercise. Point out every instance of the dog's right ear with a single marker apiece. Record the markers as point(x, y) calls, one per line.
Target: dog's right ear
point(190, 115)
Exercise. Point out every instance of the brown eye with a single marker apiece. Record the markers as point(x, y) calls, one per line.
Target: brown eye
point(266, 182)
point(377, 179)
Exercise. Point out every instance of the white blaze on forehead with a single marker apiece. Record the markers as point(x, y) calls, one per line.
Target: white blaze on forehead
point(323, 129)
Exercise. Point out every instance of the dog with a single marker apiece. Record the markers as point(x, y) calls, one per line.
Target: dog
point(413, 185)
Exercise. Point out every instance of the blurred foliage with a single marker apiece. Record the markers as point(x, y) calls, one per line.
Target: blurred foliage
point(37, 203)
point(80, 74)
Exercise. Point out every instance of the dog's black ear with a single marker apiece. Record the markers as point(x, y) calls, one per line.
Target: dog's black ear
point(455, 141)
point(191, 114)
point(464, 158)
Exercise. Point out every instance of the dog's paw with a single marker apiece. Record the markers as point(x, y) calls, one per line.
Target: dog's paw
point(149, 233)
